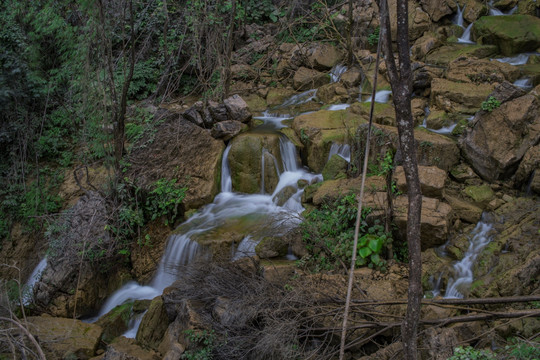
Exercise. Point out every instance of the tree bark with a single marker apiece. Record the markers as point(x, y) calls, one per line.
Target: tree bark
point(401, 83)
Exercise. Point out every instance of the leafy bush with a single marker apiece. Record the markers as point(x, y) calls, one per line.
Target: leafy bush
point(490, 104)
point(329, 234)
point(201, 345)
point(470, 353)
point(373, 38)
point(163, 199)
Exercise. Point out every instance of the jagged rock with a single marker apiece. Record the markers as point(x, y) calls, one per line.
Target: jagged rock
point(464, 209)
point(435, 220)
point(507, 92)
point(285, 194)
point(67, 282)
point(423, 45)
point(352, 77)
point(465, 69)
point(63, 338)
point(528, 7)
point(243, 72)
point(512, 34)
point(270, 247)
point(127, 349)
point(527, 167)
point(153, 325)
point(499, 139)
point(332, 93)
point(228, 129)
point(305, 79)
point(323, 56)
point(115, 322)
point(432, 180)
point(473, 9)
point(181, 151)
point(459, 97)
point(218, 111)
point(245, 161)
point(336, 167)
point(237, 108)
point(438, 8)
point(193, 116)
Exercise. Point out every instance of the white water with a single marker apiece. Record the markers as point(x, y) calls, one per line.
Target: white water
point(447, 130)
point(426, 114)
point(133, 326)
point(381, 96)
point(463, 274)
point(301, 98)
point(245, 248)
point(337, 107)
point(466, 37)
point(273, 121)
point(226, 182)
point(520, 59)
point(32, 280)
point(458, 18)
point(525, 83)
point(343, 150)
point(336, 72)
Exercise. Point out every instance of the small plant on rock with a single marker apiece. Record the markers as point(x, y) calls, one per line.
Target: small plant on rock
point(490, 104)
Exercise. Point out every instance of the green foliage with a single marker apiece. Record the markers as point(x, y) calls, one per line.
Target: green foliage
point(201, 345)
point(383, 166)
point(490, 104)
point(470, 353)
point(329, 234)
point(373, 38)
point(522, 350)
point(164, 198)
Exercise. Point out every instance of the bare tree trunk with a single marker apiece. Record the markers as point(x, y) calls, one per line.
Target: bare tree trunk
point(350, 55)
point(228, 54)
point(401, 82)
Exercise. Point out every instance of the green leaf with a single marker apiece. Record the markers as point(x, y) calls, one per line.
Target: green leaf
point(364, 252)
point(375, 244)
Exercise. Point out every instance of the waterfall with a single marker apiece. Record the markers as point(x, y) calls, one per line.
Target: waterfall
point(493, 11)
point(266, 153)
point(466, 37)
point(298, 99)
point(463, 269)
point(245, 248)
point(288, 154)
point(458, 18)
point(336, 72)
point(337, 107)
point(32, 281)
point(426, 115)
point(524, 83)
point(133, 326)
point(226, 181)
point(381, 96)
point(520, 59)
point(343, 150)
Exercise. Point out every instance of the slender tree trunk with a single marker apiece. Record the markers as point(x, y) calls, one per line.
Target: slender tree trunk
point(401, 82)
point(350, 55)
point(228, 54)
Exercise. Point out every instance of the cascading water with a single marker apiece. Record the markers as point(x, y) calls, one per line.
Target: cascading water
point(466, 37)
point(493, 11)
point(299, 99)
point(343, 150)
point(181, 249)
point(458, 18)
point(381, 96)
point(337, 107)
point(32, 280)
point(463, 269)
point(336, 72)
point(525, 83)
point(519, 59)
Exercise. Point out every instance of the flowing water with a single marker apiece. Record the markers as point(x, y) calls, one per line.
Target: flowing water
point(525, 83)
point(301, 98)
point(519, 59)
point(336, 72)
point(337, 107)
point(463, 270)
point(343, 150)
point(458, 18)
point(466, 37)
point(381, 96)
point(182, 249)
point(32, 280)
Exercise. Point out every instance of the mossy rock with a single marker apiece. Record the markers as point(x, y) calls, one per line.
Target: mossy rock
point(309, 191)
point(446, 54)
point(115, 322)
point(383, 113)
point(512, 34)
point(335, 168)
point(270, 247)
point(481, 195)
point(278, 96)
point(153, 325)
point(255, 102)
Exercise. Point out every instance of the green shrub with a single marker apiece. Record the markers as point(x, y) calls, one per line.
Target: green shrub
point(490, 104)
point(470, 353)
point(328, 233)
point(373, 38)
point(201, 345)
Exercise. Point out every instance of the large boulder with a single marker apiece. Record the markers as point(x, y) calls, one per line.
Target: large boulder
point(473, 9)
point(228, 129)
point(472, 70)
point(435, 221)
point(323, 56)
point(432, 180)
point(528, 172)
point(127, 349)
point(332, 93)
point(305, 79)
point(153, 325)
point(237, 108)
point(183, 151)
point(448, 53)
point(438, 8)
point(459, 97)
point(319, 130)
point(63, 338)
point(276, 96)
point(498, 140)
point(246, 162)
point(512, 34)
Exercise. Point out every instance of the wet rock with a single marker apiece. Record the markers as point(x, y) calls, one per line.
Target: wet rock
point(459, 97)
point(473, 9)
point(463, 173)
point(226, 130)
point(463, 208)
point(528, 7)
point(335, 168)
point(432, 180)
point(63, 338)
point(507, 92)
point(498, 140)
point(305, 79)
point(481, 195)
point(332, 93)
point(245, 161)
point(512, 34)
point(529, 170)
point(435, 220)
point(423, 45)
point(115, 322)
point(278, 96)
point(284, 195)
point(270, 247)
point(153, 325)
point(352, 77)
point(237, 108)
